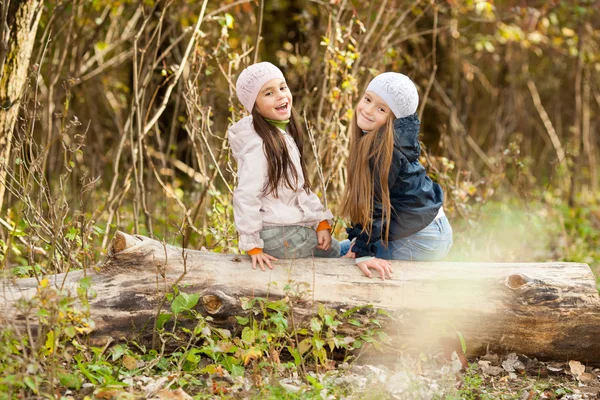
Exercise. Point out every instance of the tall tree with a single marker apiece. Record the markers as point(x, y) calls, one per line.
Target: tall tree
point(18, 25)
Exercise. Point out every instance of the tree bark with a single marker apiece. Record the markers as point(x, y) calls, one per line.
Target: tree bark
point(18, 25)
point(544, 310)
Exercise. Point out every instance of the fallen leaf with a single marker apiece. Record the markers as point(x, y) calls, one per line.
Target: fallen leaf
point(492, 357)
point(289, 387)
point(512, 363)
point(587, 378)
point(489, 369)
point(106, 393)
point(219, 389)
point(251, 354)
point(155, 385)
point(274, 356)
point(528, 395)
point(166, 394)
point(577, 368)
point(129, 362)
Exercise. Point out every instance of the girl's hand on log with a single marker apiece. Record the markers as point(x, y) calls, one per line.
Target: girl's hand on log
point(324, 239)
point(262, 258)
point(383, 266)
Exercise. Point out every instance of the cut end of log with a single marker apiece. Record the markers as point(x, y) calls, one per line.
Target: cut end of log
point(122, 241)
point(517, 281)
point(119, 243)
point(212, 303)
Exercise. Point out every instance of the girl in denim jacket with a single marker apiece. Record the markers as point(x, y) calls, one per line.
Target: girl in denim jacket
point(276, 213)
point(395, 209)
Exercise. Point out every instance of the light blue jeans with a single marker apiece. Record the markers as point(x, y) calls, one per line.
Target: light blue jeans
point(295, 241)
point(431, 243)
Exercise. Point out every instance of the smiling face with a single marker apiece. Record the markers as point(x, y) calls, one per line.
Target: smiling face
point(274, 100)
point(371, 112)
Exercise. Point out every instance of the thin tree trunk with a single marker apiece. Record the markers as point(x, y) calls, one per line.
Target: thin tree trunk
point(18, 25)
point(577, 139)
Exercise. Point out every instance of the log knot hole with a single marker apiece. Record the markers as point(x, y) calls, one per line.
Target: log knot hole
point(517, 281)
point(212, 303)
point(119, 243)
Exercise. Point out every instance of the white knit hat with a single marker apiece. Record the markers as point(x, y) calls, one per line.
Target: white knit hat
point(398, 92)
point(252, 79)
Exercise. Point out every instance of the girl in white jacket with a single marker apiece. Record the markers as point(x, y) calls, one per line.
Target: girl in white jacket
point(276, 213)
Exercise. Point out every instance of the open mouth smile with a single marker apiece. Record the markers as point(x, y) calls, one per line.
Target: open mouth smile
point(282, 108)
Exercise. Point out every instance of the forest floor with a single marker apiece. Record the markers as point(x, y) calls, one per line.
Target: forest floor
point(489, 377)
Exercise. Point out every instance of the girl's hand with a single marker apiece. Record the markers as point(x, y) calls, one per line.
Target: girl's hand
point(262, 258)
point(383, 266)
point(324, 239)
point(350, 254)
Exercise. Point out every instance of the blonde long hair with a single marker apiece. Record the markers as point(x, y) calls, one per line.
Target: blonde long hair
point(370, 156)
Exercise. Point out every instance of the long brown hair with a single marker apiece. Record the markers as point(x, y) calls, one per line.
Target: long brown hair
point(281, 169)
point(370, 156)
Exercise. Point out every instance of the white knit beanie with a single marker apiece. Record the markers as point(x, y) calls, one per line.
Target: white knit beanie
point(398, 92)
point(252, 79)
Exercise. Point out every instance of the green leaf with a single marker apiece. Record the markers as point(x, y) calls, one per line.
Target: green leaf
point(30, 383)
point(463, 343)
point(248, 335)
point(229, 20)
point(85, 283)
point(354, 322)
point(296, 354)
point(72, 233)
point(237, 370)
point(321, 310)
point(318, 343)
point(355, 309)
point(385, 313)
point(329, 320)
point(70, 331)
point(70, 381)
point(192, 300)
point(241, 320)
point(162, 319)
point(179, 303)
point(86, 373)
point(315, 325)
point(117, 351)
point(314, 382)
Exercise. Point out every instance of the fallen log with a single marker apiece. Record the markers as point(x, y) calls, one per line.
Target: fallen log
point(544, 310)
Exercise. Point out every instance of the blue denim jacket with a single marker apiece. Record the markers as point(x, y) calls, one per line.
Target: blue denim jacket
point(415, 199)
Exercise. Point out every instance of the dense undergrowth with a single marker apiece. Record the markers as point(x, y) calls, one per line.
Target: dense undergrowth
point(119, 129)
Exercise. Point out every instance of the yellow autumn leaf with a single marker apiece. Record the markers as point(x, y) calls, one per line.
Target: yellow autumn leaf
point(49, 346)
point(86, 329)
point(129, 362)
point(251, 354)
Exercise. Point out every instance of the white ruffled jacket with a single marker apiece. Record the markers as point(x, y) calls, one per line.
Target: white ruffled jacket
point(252, 209)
